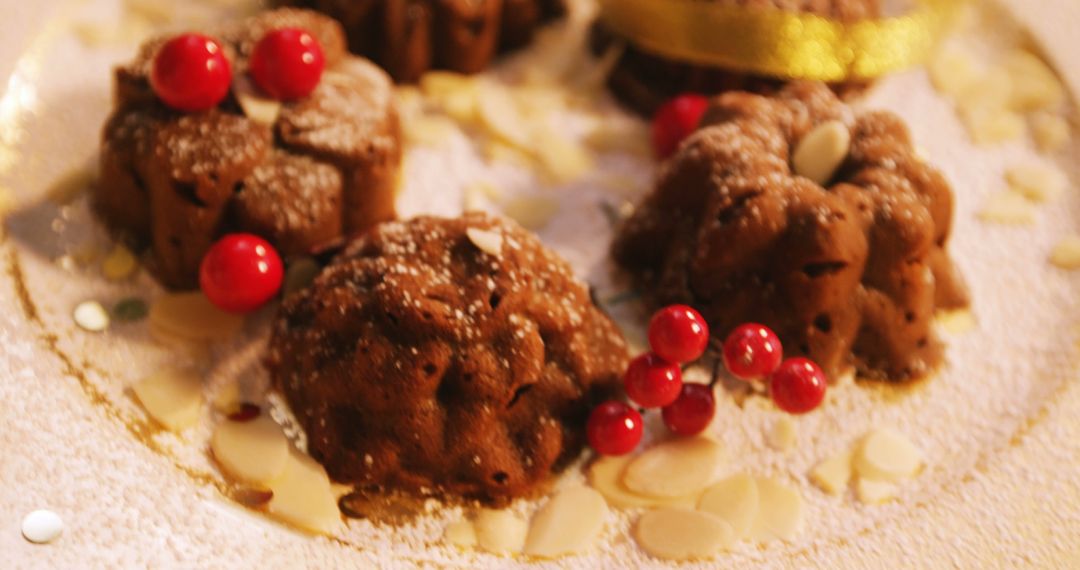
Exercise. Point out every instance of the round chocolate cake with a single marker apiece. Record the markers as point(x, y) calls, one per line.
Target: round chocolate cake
point(849, 274)
point(644, 81)
point(457, 356)
point(325, 168)
point(409, 37)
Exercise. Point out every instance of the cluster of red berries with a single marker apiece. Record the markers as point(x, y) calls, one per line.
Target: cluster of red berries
point(191, 73)
point(678, 335)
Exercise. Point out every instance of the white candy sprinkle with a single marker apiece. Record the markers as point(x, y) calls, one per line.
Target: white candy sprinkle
point(41, 527)
point(91, 316)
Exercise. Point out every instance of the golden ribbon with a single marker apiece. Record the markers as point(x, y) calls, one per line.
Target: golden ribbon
point(776, 42)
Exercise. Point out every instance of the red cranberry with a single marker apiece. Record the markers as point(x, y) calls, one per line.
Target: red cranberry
point(652, 382)
point(798, 386)
point(240, 273)
point(245, 413)
point(287, 63)
point(678, 333)
point(675, 121)
point(614, 428)
point(692, 412)
point(190, 73)
point(752, 351)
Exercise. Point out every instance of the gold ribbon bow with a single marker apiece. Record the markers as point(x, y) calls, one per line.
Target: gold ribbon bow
point(776, 42)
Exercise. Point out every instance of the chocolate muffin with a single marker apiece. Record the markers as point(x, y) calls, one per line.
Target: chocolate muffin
point(325, 169)
point(453, 356)
point(644, 81)
point(409, 37)
point(848, 274)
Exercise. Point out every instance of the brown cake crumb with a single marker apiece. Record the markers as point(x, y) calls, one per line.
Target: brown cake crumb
point(421, 360)
point(849, 274)
point(177, 181)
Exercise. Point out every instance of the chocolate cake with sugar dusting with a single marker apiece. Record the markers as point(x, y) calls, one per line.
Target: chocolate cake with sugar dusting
point(325, 168)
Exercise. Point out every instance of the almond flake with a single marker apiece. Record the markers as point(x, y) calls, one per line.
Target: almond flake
point(1008, 208)
point(873, 492)
point(952, 71)
point(735, 500)
point(1034, 84)
point(886, 455)
point(498, 113)
point(781, 436)
point(532, 212)
point(302, 496)
point(780, 511)
point(1039, 182)
point(957, 322)
point(254, 452)
point(191, 316)
point(460, 533)
point(1050, 131)
point(678, 534)
point(256, 105)
point(605, 475)
point(674, 468)
point(172, 396)
point(833, 473)
point(500, 532)
point(822, 151)
point(568, 523)
point(486, 241)
point(1066, 253)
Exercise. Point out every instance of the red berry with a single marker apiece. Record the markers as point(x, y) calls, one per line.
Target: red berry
point(652, 382)
point(691, 413)
point(752, 351)
point(287, 63)
point(678, 334)
point(675, 121)
point(614, 428)
point(240, 273)
point(798, 386)
point(190, 73)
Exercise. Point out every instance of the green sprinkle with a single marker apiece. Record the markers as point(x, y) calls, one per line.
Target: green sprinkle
point(130, 310)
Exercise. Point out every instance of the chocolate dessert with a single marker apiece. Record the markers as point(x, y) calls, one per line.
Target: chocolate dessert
point(644, 81)
point(848, 273)
point(326, 168)
point(409, 37)
point(455, 356)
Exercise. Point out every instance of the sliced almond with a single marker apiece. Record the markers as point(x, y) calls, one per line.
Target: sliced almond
point(303, 497)
point(735, 500)
point(192, 317)
point(875, 492)
point(256, 105)
point(605, 475)
point(253, 452)
point(679, 534)
point(1034, 84)
point(532, 212)
point(1050, 131)
point(957, 322)
point(500, 532)
point(486, 241)
point(989, 126)
point(833, 473)
point(1039, 182)
point(460, 533)
point(563, 160)
point(822, 151)
point(1066, 253)
point(499, 114)
point(780, 511)
point(675, 468)
point(953, 70)
point(455, 93)
point(990, 91)
point(119, 264)
point(781, 435)
point(429, 131)
point(619, 135)
point(887, 455)
point(1008, 208)
point(172, 396)
point(568, 523)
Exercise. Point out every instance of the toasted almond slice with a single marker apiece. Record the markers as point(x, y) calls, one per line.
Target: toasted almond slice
point(172, 396)
point(887, 455)
point(119, 264)
point(487, 241)
point(303, 497)
point(833, 473)
point(1039, 182)
point(455, 93)
point(254, 452)
point(500, 532)
point(953, 70)
point(1050, 131)
point(256, 105)
point(957, 322)
point(499, 114)
point(679, 534)
point(874, 492)
point(735, 500)
point(675, 468)
point(822, 151)
point(566, 524)
point(192, 317)
point(429, 131)
point(532, 212)
point(605, 475)
point(780, 511)
point(989, 91)
point(1066, 253)
point(1034, 84)
point(781, 435)
point(988, 126)
point(1008, 208)
point(563, 159)
point(460, 533)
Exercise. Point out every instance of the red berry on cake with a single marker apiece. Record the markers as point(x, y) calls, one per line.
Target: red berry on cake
point(287, 64)
point(752, 351)
point(652, 382)
point(678, 334)
point(191, 73)
point(614, 428)
point(798, 386)
point(692, 411)
point(675, 120)
point(240, 273)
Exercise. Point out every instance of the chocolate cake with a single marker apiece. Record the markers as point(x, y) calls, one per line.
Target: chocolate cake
point(326, 168)
point(849, 274)
point(409, 37)
point(644, 81)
